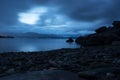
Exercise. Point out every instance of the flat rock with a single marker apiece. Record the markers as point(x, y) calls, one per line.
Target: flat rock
point(43, 75)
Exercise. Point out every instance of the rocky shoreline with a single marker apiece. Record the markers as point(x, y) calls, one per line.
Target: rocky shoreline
point(96, 62)
point(97, 59)
point(105, 35)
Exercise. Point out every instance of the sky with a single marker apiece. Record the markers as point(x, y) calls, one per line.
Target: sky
point(57, 16)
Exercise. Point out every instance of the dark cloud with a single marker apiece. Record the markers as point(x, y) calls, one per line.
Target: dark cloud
point(87, 10)
point(91, 10)
point(77, 10)
point(9, 10)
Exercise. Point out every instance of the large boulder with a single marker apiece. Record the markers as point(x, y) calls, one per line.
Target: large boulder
point(70, 40)
point(116, 31)
point(116, 24)
point(103, 36)
point(101, 29)
point(97, 39)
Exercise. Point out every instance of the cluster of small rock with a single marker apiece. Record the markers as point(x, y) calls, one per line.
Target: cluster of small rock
point(91, 63)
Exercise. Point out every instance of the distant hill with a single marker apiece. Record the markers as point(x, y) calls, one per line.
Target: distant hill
point(38, 35)
point(6, 36)
point(32, 35)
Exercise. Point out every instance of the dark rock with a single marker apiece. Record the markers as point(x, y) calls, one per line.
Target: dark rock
point(87, 75)
point(116, 24)
point(103, 36)
point(70, 40)
point(97, 39)
point(110, 76)
point(44, 75)
point(116, 43)
point(116, 31)
point(53, 64)
point(102, 62)
point(101, 29)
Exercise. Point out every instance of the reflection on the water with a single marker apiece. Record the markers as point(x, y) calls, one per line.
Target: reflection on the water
point(22, 44)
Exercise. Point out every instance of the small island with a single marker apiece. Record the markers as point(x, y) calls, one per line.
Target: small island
point(6, 36)
point(70, 40)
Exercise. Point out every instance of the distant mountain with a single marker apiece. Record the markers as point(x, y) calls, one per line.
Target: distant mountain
point(38, 35)
point(32, 35)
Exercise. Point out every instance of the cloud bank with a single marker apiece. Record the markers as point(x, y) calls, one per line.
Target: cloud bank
point(63, 16)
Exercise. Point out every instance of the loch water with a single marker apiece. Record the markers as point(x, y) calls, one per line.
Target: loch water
point(33, 44)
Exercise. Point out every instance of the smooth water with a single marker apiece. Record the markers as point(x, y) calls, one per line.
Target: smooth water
point(28, 45)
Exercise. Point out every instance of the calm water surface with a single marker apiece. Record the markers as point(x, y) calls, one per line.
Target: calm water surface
point(24, 44)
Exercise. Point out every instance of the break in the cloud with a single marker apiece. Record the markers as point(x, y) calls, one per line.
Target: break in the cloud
point(57, 16)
